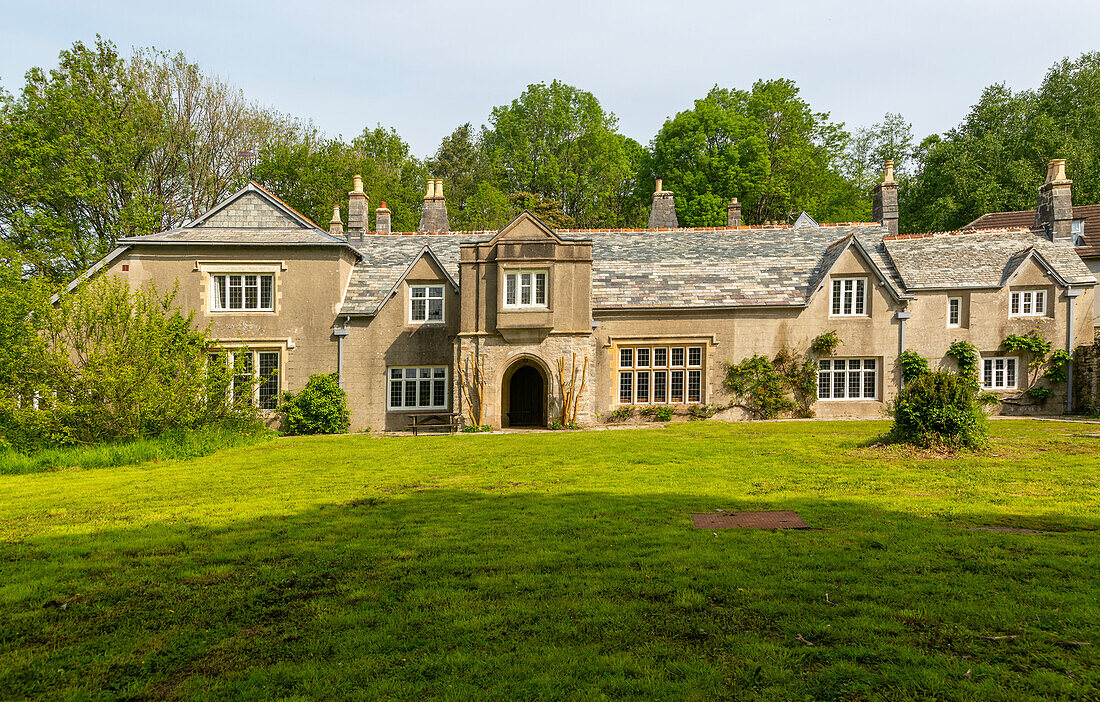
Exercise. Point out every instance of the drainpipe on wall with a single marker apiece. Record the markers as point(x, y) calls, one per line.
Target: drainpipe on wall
point(901, 316)
point(340, 333)
point(1071, 295)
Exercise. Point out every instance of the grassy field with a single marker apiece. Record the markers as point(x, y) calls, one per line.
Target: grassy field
point(561, 565)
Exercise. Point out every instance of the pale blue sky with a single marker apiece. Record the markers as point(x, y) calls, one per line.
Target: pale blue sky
point(426, 67)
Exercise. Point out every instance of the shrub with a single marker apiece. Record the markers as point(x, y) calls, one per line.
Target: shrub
point(476, 428)
point(913, 365)
point(770, 389)
point(825, 344)
point(701, 412)
point(966, 356)
point(621, 414)
point(940, 409)
point(320, 408)
point(658, 413)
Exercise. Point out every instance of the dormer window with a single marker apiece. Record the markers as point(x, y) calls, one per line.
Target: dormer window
point(1027, 303)
point(426, 304)
point(849, 297)
point(525, 289)
point(1077, 232)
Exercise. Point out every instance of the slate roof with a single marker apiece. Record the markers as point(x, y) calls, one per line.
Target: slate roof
point(252, 215)
point(978, 258)
point(647, 268)
point(1090, 214)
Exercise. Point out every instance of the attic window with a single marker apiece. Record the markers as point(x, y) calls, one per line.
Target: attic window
point(1027, 303)
point(426, 303)
point(1077, 232)
point(849, 298)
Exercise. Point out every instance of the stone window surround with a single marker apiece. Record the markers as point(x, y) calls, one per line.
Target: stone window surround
point(208, 269)
point(506, 269)
point(258, 346)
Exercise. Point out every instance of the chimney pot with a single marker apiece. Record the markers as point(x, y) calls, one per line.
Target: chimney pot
point(888, 171)
point(429, 193)
point(335, 225)
point(439, 189)
point(357, 183)
point(382, 218)
point(658, 188)
point(433, 216)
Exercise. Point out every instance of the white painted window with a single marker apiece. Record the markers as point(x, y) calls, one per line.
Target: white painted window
point(849, 298)
point(417, 387)
point(525, 289)
point(255, 376)
point(426, 303)
point(1027, 303)
point(660, 375)
point(999, 373)
point(954, 311)
point(244, 291)
point(847, 379)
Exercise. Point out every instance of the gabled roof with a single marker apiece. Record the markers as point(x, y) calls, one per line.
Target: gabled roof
point(978, 258)
point(1090, 214)
point(676, 268)
point(1018, 259)
point(252, 216)
point(832, 257)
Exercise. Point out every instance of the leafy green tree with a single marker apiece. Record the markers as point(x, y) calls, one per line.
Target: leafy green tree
point(765, 147)
point(871, 147)
point(461, 162)
point(557, 142)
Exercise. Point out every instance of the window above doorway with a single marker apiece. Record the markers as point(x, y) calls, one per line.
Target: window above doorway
point(526, 289)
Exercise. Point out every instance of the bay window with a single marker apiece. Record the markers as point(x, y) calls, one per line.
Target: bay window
point(525, 288)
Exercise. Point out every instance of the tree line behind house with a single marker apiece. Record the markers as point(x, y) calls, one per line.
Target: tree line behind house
point(105, 146)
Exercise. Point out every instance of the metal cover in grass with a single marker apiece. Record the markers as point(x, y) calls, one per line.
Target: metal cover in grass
point(784, 519)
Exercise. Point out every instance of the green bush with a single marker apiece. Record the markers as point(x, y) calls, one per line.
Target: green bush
point(913, 365)
point(320, 408)
point(621, 414)
point(940, 410)
point(825, 344)
point(701, 412)
point(476, 428)
point(658, 413)
point(769, 389)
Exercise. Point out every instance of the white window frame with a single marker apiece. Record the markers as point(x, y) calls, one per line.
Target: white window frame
point(848, 297)
point(1077, 232)
point(642, 360)
point(1026, 303)
point(990, 371)
point(514, 289)
point(231, 352)
point(958, 311)
point(432, 293)
point(832, 370)
point(221, 286)
point(431, 379)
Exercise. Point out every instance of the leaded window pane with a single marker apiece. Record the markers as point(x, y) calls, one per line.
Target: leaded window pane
point(678, 357)
point(695, 356)
point(626, 358)
point(660, 357)
point(695, 383)
point(642, 384)
point(626, 387)
point(510, 289)
point(540, 288)
point(676, 387)
point(643, 358)
point(269, 379)
point(660, 386)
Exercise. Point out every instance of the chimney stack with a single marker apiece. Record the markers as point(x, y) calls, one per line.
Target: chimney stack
point(358, 207)
point(733, 214)
point(663, 212)
point(433, 218)
point(884, 206)
point(382, 219)
point(335, 225)
point(1055, 211)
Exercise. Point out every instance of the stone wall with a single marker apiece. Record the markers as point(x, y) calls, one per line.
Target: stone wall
point(1086, 377)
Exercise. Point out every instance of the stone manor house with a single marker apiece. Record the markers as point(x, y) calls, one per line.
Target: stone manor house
point(655, 313)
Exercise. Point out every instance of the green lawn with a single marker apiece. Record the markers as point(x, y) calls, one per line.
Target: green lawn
point(561, 565)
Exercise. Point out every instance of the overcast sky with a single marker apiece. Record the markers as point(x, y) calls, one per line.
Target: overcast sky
point(426, 67)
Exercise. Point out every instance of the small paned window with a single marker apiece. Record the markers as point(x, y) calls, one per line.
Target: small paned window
point(663, 379)
point(848, 379)
point(419, 387)
point(849, 297)
point(999, 373)
point(425, 303)
point(1027, 303)
point(525, 288)
point(954, 311)
point(243, 292)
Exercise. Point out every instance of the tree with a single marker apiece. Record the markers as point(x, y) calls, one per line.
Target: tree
point(989, 163)
point(871, 147)
point(557, 142)
point(765, 147)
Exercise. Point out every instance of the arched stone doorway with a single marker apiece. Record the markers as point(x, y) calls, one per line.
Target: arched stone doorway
point(524, 395)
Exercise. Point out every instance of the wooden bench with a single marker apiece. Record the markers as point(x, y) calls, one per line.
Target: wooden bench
point(433, 422)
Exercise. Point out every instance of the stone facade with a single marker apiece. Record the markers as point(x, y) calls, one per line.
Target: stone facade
point(401, 316)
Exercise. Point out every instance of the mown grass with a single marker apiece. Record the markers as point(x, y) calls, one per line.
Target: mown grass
point(177, 444)
point(561, 566)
